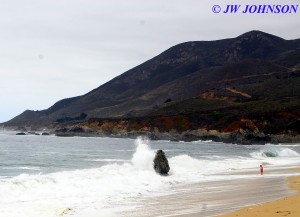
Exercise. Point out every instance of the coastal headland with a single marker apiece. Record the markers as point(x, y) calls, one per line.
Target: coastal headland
point(242, 90)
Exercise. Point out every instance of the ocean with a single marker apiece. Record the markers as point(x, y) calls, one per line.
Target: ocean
point(49, 176)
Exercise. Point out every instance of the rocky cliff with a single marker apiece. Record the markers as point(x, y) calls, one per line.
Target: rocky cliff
point(229, 90)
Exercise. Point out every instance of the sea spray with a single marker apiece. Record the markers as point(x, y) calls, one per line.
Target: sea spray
point(274, 151)
point(82, 192)
point(121, 173)
point(286, 152)
point(143, 157)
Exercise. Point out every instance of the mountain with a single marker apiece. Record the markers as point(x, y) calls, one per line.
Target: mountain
point(255, 73)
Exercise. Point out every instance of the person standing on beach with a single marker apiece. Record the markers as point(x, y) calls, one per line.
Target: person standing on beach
point(261, 170)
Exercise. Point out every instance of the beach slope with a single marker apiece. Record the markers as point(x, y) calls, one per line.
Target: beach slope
point(287, 206)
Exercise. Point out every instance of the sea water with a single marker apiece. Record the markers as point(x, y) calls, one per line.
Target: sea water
point(49, 176)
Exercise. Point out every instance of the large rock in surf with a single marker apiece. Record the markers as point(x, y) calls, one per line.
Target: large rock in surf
point(161, 164)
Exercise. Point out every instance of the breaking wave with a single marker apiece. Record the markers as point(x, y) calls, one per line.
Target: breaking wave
point(88, 192)
point(271, 152)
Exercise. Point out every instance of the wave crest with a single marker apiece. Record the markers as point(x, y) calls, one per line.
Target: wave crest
point(275, 152)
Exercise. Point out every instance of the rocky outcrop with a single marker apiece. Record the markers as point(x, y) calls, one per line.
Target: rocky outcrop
point(45, 134)
point(248, 133)
point(21, 134)
point(76, 131)
point(216, 126)
point(161, 164)
point(33, 133)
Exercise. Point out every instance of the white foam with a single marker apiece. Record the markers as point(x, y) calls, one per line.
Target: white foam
point(108, 160)
point(288, 153)
point(277, 155)
point(143, 157)
point(82, 191)
point(22, 168)
point(110, 188)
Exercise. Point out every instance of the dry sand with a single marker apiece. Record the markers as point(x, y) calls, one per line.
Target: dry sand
point(287, 206)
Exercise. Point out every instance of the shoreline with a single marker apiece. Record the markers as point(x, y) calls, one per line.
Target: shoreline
point(287, 206)
point(185, 136)
point(214, 198)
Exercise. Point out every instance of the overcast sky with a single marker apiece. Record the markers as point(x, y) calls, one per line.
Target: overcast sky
point(54, 49)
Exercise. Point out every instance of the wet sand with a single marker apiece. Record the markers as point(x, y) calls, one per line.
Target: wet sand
point(287, 206)
point(214, 198)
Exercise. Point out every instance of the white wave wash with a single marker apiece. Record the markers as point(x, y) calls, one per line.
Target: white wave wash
point(104, 191)
point(277, 155)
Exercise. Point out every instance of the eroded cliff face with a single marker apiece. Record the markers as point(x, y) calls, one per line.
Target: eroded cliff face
point(266, 128)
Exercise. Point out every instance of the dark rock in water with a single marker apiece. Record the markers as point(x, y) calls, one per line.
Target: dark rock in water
point(161, 164)
point(21, 134)
point(33, 133)
point(45, 134)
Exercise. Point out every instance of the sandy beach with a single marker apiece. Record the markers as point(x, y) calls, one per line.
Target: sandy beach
point(287, 206)
point(216, 198)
